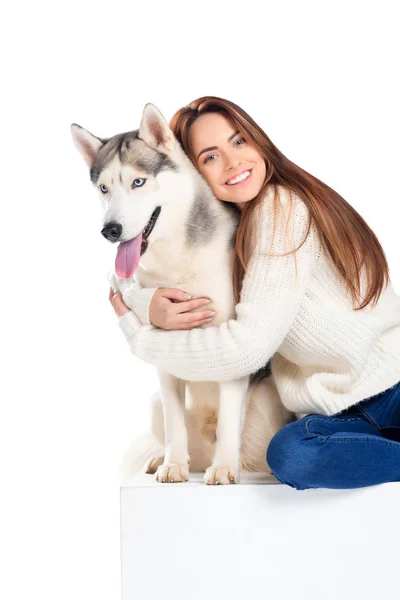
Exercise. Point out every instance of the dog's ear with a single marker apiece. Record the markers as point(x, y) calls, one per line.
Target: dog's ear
point(155, 131)
point(86, 143)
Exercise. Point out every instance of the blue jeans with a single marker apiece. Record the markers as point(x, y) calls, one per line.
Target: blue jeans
point(354, 448)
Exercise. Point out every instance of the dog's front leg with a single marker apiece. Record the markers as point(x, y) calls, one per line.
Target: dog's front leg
point(231, 415)
point(176, 462)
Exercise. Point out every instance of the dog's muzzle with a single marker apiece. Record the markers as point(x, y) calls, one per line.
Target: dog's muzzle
point(113, 231)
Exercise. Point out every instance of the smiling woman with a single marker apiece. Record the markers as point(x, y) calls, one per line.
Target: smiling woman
point(325, 313)
point(232, 164)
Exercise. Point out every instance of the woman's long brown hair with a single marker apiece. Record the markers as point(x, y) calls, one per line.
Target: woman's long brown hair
point(344, 234)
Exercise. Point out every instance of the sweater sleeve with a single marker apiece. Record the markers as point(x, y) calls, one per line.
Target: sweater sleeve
point(270, 299)
point(136, 297)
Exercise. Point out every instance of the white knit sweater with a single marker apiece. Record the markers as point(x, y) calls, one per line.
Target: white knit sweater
point(325, 356)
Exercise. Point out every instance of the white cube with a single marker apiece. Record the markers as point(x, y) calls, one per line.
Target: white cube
point(258, 539)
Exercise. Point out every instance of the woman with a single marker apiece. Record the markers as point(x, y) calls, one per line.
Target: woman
point(325, 312)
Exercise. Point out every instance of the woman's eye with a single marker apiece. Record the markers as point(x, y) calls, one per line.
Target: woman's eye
point(138, 182)
point(104, 188)
point(211, 155)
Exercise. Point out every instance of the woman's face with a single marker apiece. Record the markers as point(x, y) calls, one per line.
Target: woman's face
point(222, 154)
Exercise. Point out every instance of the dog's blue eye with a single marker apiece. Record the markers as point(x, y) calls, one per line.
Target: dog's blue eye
point(138, 182)
point(104, 188)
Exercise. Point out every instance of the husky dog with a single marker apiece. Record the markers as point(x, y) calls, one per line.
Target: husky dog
point(174, 232)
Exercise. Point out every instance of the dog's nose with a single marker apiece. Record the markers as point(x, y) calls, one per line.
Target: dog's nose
point(112, 231)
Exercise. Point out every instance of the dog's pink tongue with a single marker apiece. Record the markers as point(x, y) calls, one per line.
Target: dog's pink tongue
point(128, 256)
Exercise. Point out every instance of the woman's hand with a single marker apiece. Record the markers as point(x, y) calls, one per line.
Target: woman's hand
point(118, 304)
point(167, 314)
point(168, 309)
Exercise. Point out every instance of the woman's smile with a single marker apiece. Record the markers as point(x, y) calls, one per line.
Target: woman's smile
point(240, 180)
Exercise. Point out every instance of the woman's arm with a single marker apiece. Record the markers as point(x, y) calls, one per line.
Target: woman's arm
point(136, 297)
point(270, 300)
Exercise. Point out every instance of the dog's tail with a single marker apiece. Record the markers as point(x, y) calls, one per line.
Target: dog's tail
point(140, 451)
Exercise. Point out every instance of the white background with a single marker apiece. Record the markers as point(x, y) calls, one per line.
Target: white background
point(319, 77)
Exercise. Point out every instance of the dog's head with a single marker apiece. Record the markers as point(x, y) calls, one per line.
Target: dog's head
point(135, 175)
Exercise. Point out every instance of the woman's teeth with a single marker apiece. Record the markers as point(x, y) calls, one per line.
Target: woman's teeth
point(238, 178)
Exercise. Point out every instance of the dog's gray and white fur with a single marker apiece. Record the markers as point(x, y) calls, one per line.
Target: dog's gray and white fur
point(217, 427)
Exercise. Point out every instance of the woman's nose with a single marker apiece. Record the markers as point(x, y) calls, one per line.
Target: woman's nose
point(232, 163)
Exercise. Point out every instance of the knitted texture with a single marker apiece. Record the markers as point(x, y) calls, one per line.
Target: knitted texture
point(325, 356)
point(140, 299)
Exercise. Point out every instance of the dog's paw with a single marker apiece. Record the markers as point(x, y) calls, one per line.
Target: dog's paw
point(216, 475)
point(172, 473)
point(153, 463)
point(118, 283)
point(112, 280)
